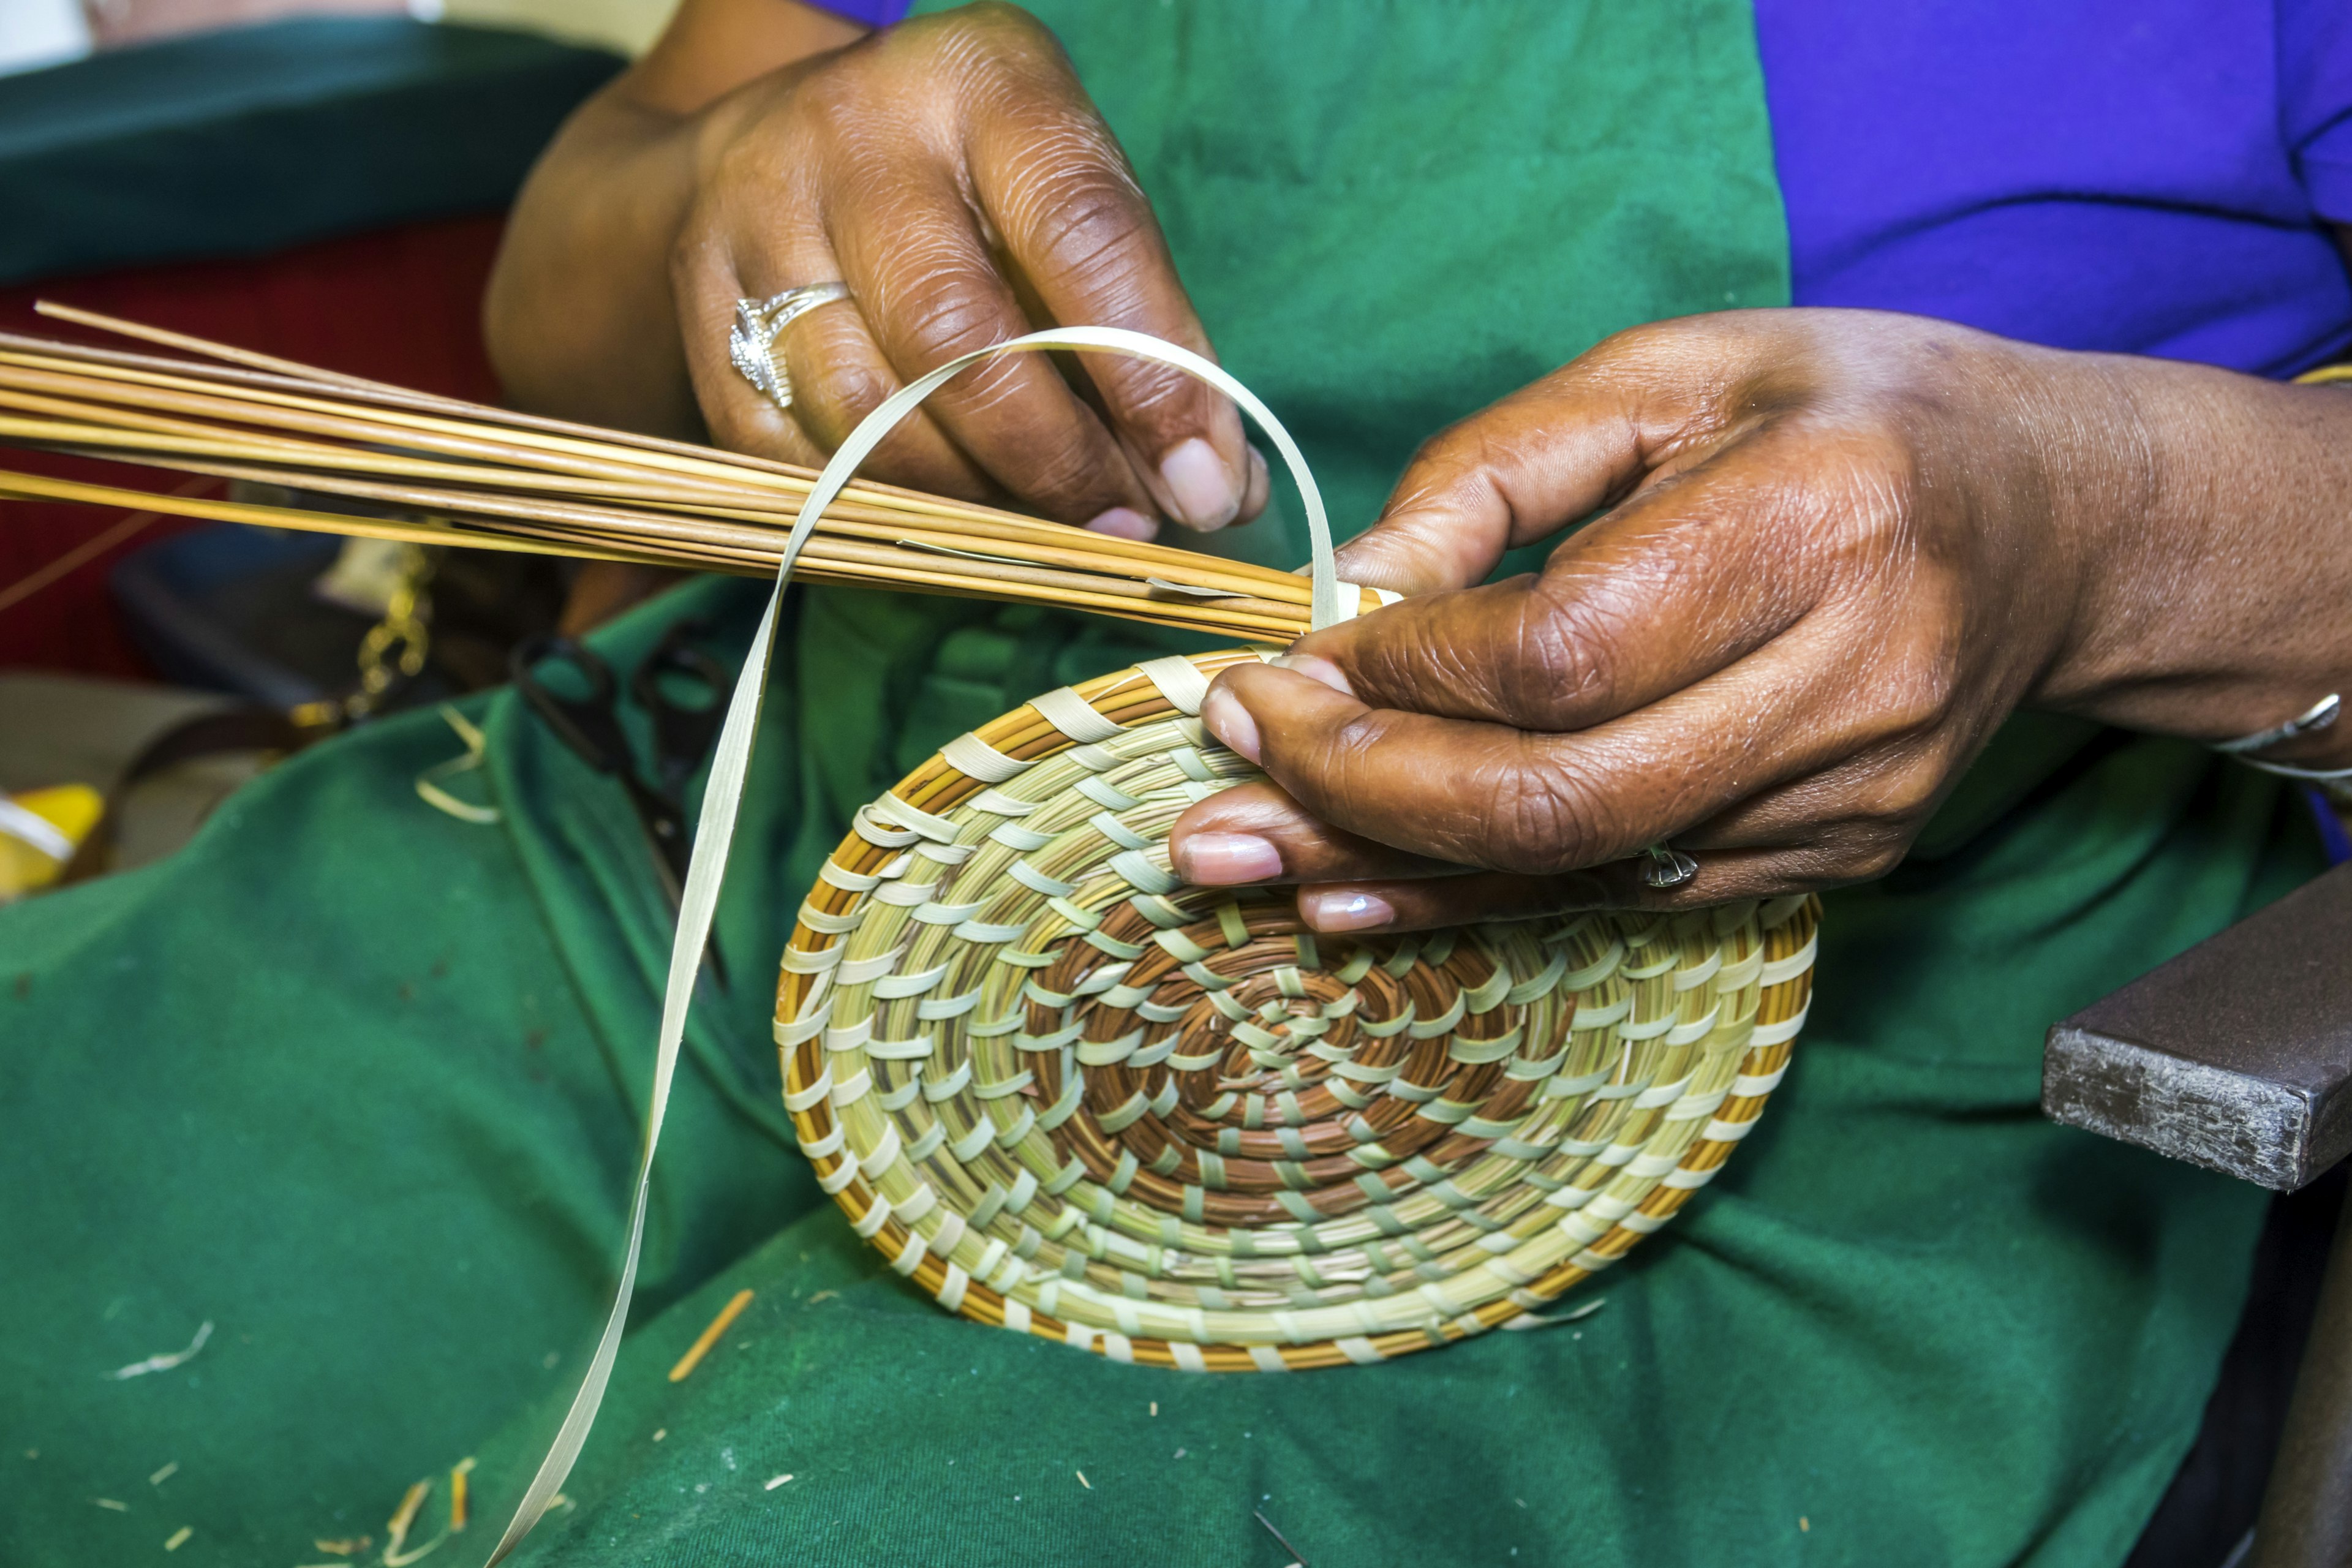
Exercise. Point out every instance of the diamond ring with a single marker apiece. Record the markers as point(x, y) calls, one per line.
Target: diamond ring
point(751, 342)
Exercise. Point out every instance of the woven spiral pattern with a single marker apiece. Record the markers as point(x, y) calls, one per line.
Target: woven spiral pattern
point(1069, 1095)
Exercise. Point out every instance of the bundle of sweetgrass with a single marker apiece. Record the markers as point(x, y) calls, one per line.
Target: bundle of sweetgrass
point(435, 470)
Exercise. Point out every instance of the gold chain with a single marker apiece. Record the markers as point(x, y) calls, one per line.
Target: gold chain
point(394, 649)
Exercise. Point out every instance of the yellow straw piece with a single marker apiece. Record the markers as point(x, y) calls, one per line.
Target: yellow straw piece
point(709, 1337)
point(457, 1474)
point(396, 1528)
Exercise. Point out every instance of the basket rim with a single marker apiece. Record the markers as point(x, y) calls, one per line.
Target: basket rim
point(1129, 698)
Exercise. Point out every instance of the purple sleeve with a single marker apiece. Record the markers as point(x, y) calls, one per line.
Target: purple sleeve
point(2315, 54)
point(873, 12)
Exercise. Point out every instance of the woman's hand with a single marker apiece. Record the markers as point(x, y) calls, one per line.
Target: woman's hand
point(1837, 550)
point(954, 173)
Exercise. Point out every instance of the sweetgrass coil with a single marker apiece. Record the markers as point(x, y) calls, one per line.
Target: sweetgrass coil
point(1067, 1094)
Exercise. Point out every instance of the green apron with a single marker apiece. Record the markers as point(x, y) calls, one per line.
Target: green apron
point(358, 1084)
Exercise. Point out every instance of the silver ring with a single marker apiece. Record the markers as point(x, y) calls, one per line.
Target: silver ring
point(1667, 868)
point(2316, 718)
point(751, 342)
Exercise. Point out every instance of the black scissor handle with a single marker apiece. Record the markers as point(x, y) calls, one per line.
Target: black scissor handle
point(589, 727)
point(683, 732)
point(592, 728)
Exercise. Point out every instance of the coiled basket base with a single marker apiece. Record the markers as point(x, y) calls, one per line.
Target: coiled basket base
point(1067, 1094)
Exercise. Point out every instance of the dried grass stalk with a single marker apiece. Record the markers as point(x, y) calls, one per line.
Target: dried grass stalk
point(434, 471)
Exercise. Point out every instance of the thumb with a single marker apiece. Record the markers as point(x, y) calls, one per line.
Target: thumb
point(1550, 455)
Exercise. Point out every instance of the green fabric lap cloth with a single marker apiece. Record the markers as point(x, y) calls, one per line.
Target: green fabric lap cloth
point(360, 1084)
point(1914, 1322)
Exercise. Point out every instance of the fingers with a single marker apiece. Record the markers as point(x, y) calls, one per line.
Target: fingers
point(1554, 452)
point(953, 175)
point(1508, 476)
point(1420, 904)
point(1487, 794)
point(1824, 831)
point(930, 291)
point(1854, 819)
point(1254, 833)
point(706, 282)
point(751, 237)
point(1009, 429)
point(1080, 233)
point(1442, 789)
point(1686, 579)
point(840, 375)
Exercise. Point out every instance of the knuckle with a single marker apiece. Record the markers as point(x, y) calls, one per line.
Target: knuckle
point(1838, 860)
point(1920, 678)
point(1864, 468)
point(1464, 455)
point(834, 105)
point(1343, 774)
point(1085, 221)
point(1859, 846)
point(1915, 695)
point(1442, 477)
point(1541, 819)
point(693, 262)
point(1882, 460)
point(838, 103)
point(973, 45)
point(1564, 661)
point(1435, 459)
point(731, 427)
point(954, 315)
point(1637, 355)
point(1899, 793)
point(997, 22)
point(1067, 475)
point(1350, 774)
point(1878, 853)
point(840, 395)
point(1633, 344)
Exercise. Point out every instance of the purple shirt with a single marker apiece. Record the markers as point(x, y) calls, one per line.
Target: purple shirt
point(2141, 176)
point(2146, 176)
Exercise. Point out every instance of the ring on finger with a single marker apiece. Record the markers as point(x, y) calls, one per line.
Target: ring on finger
point(1666, 868)
point(751, 341)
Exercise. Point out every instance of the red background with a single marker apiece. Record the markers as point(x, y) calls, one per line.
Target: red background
point(402, 305)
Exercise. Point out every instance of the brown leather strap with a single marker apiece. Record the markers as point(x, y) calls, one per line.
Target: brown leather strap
point(249, 727)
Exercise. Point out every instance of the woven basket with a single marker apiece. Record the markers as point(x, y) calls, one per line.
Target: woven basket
point(1067, 1094)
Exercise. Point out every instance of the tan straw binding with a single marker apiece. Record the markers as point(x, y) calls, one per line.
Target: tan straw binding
point(1069, 1095)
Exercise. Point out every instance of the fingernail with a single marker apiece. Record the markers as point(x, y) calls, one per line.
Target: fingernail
point(1215, 860)
point(1344, 911)
point(1318, 669)
point(1198, 483)
point(1125, 522)
point(1230, 722)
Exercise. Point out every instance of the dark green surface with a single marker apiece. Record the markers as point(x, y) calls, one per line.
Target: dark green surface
point(240, 142)
point(355, 1081)
point(1387, 224)
point(360, 1083)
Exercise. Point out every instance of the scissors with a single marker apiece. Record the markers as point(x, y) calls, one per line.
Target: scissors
point(683, 732)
